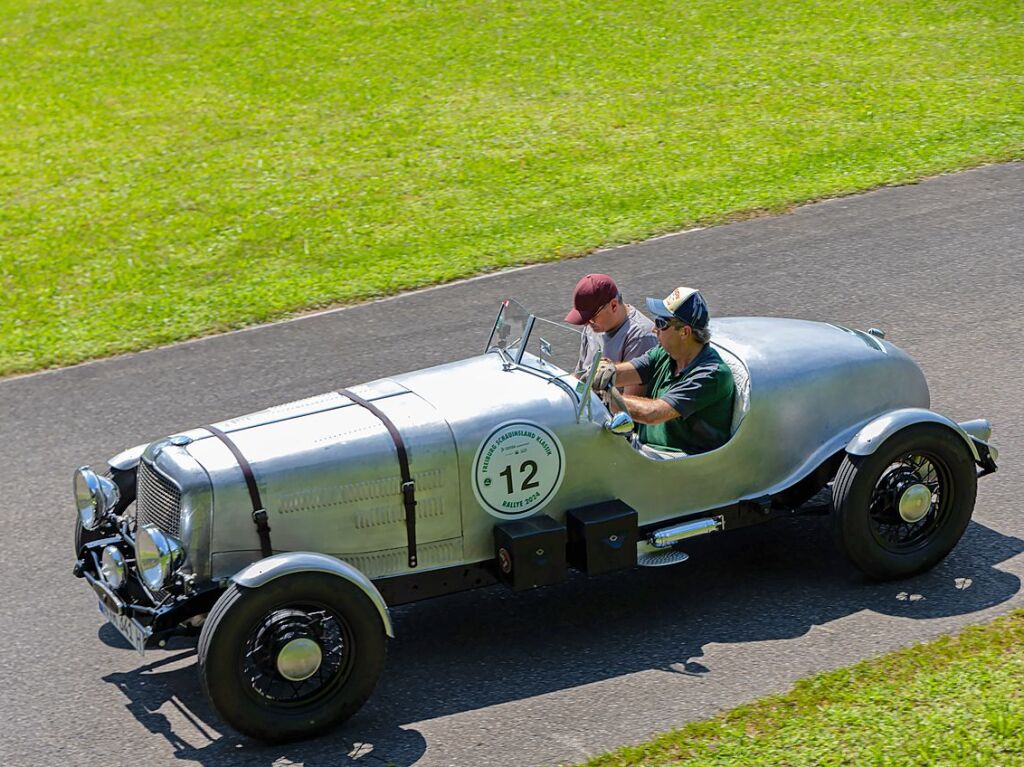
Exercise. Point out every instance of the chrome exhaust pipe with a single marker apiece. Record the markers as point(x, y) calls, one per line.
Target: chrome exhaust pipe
point(668, 535)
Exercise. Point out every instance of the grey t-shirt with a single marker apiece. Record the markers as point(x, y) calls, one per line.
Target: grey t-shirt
point(628, 341)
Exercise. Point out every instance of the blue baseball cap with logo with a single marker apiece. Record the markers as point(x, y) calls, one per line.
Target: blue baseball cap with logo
point(684, 304)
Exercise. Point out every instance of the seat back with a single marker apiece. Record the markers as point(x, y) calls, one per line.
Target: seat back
point(741, 379)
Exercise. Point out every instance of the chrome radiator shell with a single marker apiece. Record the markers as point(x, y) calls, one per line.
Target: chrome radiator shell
point(158, 500)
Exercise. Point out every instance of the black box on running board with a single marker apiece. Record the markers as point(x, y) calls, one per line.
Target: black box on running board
point(530, 552)
point(602, 537)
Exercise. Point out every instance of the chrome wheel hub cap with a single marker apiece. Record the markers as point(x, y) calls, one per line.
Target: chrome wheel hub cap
point(299, 659)
point(915, 502)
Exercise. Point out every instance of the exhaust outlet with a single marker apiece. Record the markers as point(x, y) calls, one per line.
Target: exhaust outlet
point(669, 535)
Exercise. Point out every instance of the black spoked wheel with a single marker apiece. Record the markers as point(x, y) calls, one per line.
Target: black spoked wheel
point(292, 658)
point(298, 654)
point(910, 502)
point(903, 508)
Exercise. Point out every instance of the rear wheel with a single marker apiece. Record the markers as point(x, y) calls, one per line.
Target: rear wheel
point(903, 508)
point(291, 658)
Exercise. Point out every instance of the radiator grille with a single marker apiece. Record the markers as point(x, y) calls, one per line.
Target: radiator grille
point(159, 502)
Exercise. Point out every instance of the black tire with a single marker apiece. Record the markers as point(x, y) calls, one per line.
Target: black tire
point(238, 672)
point(867, 522)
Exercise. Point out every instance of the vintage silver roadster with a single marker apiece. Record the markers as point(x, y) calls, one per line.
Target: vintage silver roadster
point(285, 535)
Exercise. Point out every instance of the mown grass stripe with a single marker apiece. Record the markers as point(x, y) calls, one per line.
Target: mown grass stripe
point(172, 168)
point(957, 700)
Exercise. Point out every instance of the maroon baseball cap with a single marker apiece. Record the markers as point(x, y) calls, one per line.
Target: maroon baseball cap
point(591, 293)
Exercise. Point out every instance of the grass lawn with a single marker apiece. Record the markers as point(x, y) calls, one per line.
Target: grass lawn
point(169, 169)
point(955, 701)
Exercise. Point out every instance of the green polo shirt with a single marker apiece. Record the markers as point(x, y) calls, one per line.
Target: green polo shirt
point(701, 393)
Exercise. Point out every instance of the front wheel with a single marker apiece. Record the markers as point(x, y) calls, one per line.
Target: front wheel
point(292, 658)
point(903, 508)
point(83, 536)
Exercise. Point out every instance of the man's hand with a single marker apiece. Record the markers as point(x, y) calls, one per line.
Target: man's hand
point(604, 379)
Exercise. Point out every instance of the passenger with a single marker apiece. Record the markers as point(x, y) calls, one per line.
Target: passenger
point(611, 328)
point(690, 407)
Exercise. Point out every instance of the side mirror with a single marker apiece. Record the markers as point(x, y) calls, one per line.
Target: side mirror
point(620, 423)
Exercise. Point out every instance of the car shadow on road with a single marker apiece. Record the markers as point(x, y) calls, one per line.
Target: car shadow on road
point(469, 651)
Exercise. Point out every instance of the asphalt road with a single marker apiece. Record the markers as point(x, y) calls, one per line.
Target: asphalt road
point(555, 675)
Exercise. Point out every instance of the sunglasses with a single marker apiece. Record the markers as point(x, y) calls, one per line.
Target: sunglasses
point(599, 310)
point(660, 323)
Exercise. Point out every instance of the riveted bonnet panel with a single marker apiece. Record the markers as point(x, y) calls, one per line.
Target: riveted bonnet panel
point(329, 476)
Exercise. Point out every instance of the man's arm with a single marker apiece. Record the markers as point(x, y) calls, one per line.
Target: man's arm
point(626, 375)
point(630, 387)
point(649, 411)
point(638, 342)
point(634, 391)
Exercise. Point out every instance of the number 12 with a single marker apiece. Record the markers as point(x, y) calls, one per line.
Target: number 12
point(528, 482)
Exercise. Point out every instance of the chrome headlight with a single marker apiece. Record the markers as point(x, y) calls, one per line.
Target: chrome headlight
point(95, 497)
point(157, 555)
point(112, 566)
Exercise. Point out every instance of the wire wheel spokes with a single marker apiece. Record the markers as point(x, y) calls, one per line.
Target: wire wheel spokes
point(274, 632)
point(926, 471)
point(906, 476)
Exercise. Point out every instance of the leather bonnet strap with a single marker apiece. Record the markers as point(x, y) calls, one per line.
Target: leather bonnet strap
point(408, 485)
point(259, 514)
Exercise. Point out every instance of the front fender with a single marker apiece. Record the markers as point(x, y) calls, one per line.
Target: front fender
point(128, 459)
point(867, 440)
point(260, 573)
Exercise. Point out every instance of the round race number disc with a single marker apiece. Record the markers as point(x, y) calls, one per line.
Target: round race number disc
point(517, 470)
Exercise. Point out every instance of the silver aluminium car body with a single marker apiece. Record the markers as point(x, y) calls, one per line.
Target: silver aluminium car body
point(329, 479)
point(287, 533)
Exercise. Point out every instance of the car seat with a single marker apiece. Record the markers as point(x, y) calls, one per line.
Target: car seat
point(741, 380)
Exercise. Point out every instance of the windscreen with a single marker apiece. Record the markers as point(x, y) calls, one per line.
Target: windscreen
point(549, 347)
point(552, 347)
point(510, 327)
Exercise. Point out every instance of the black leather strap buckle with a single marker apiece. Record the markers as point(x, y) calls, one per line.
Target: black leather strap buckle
point(409, 492)
point(259, 516)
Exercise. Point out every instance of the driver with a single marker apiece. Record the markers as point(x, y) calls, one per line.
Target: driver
point(690, 407)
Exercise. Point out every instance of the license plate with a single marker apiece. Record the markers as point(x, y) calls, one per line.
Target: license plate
point(130, 630)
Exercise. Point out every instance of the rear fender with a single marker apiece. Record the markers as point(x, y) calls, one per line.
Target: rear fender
point(868, 439)
point(266, 570)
